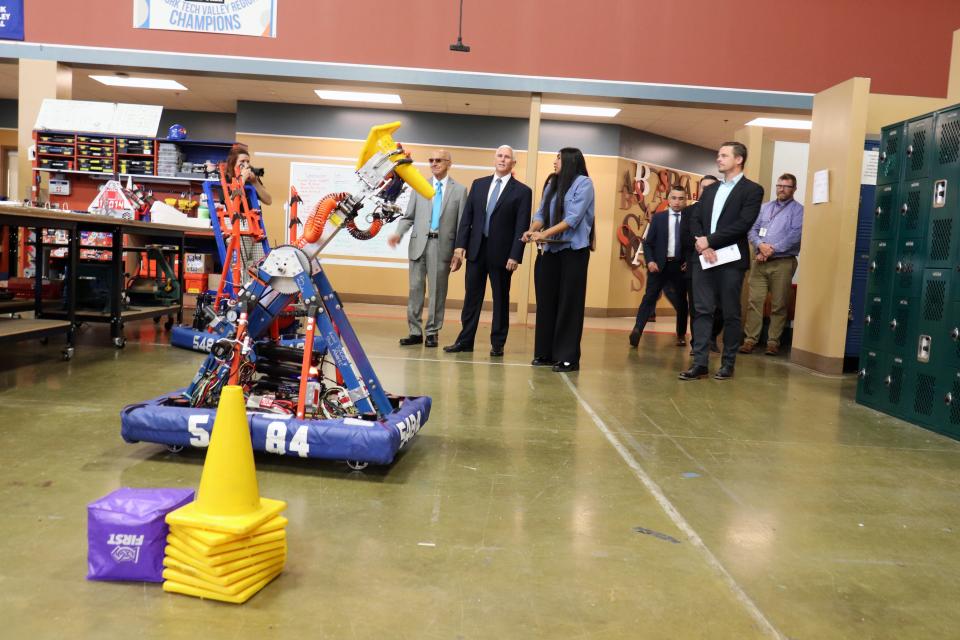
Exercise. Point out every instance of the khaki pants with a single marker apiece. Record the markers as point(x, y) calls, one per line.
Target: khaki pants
point(775, 277)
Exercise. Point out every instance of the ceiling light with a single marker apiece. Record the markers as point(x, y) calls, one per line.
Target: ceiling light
point(139, 83)
point(780, 123)
point(358, 96)
point(573, 110)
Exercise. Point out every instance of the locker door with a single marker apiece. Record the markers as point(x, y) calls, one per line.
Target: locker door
point(933, 345)
point(945, 161)
point(880, 268)
point(870, 389)
point(891, 154)
point(915, 201)
point(885, 212)
point(875, 322)
point(908, 269)
point(901, 329)
point(917, 154)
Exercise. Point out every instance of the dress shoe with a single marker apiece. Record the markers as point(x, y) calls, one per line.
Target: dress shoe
point(635, 336)
point(431, 341)
point(747, 347)
point(681, 341)
point(725, 372)
point(694, 373)
point(542, 362)
point(411, 339)
point(714, 347)
point(564, 367)
point(457, 347)
point(496, 352)
point(772, 349)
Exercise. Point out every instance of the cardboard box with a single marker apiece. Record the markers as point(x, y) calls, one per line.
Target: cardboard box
point(198, 262)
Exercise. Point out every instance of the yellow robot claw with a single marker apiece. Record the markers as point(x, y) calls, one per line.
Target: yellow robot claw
point(380, 139)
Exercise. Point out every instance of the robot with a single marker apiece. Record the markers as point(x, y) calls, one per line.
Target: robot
point(318, 397)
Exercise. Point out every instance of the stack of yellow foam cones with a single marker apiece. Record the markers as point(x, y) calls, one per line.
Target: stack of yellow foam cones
point(228, 543)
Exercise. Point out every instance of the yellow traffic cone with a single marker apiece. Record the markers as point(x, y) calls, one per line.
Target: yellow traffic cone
point(229, 498)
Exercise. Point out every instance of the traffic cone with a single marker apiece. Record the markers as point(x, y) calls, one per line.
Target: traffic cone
point(228, 499)
point(229, 543)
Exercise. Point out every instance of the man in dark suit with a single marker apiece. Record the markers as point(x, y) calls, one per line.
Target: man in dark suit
point(663, 252)
point(689, 256)
point(495, 216)
point(726, 212)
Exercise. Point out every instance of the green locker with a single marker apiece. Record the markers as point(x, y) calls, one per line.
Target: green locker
point(875, 322)
point(915, 200)
point(908, 269)
point(901, 329)
point(870, 389)
point(932, 341)
point(917, 153)
point(946, 156)
point(885, 216)
point(946, 410)
point(949, 357)
point(891, 154)
point(895, 398)
point(880, 268)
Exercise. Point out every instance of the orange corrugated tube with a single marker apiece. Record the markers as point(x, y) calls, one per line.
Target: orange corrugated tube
point(313, 228)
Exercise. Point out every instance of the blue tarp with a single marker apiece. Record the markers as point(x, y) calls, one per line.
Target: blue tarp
point(374, 442)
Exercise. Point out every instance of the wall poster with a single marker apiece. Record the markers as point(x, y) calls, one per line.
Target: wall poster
point(231, 17)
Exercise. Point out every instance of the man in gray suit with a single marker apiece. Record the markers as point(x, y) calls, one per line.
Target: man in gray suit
point(434, 223)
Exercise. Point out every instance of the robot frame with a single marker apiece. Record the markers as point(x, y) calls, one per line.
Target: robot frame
point(315, 396)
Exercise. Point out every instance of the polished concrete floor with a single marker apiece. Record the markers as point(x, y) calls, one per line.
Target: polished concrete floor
point(616, 502)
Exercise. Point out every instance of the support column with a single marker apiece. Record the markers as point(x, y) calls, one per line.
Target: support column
point(525, 272)
point(830, 229)
point(39, 79)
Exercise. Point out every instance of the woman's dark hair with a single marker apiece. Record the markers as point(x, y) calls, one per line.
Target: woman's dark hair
point(547, 183)
point(235, 152)
point(572, 165)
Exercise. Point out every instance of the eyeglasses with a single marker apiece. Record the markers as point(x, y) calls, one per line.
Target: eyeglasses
point(785, 186)
point(436, 160)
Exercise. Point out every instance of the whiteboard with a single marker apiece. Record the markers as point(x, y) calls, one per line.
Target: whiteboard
point(313, 181)
point(140, 120)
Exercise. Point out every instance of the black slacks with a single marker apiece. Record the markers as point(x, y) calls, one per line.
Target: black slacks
point(478, 271)
point(719, 286)
point(717, 316)
point(560, 279)
point(671, 282)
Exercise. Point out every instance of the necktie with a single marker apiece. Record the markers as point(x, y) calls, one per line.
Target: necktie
point(491, 205)
point(437, 205)
point(676, 234)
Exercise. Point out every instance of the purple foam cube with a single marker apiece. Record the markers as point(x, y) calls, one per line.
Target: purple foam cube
point(127, 534)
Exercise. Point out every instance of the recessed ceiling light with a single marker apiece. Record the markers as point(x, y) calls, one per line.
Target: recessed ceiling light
point(139, 83)
point(780, 123)
point(358, 96)
point(573, 110)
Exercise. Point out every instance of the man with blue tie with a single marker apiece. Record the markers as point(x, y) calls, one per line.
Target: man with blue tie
point(495, 217)
point(663, 250)
point(434, 223)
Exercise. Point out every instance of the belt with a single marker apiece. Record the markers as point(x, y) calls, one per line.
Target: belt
point(433, 234)
point(779, 258)
point(674, 259)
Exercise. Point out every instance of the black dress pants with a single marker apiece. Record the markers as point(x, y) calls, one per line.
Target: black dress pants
point(671, 282)
point(560, 279)
point(717, 316)
point(478, 271)
point(719, 286)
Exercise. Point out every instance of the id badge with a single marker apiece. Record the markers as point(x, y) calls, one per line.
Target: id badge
point(763, 232)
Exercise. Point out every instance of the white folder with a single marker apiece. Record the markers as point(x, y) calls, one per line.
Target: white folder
point(729, 253)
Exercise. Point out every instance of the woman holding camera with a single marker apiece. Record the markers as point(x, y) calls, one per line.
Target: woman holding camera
point(238, 164)
point(563, 225)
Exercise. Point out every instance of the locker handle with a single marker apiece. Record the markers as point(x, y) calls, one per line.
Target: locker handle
point(909, 150)
point(948, 399)
point(862, 373)
point(904, 208)
point(873, 265)
point(893, 324)
point(868, 319)
point(888, 381)
point(883, 156)
point(900, 266)
point(955, 334)
point(878, 212)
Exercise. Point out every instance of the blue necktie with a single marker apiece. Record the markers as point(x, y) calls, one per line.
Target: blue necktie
point(491, 205)
point(437, 205)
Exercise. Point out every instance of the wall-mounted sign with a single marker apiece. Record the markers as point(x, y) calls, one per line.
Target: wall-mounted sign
point(11, 19)
point(232, 17)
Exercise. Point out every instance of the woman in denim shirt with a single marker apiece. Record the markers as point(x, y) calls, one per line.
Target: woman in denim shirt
point(563, 227)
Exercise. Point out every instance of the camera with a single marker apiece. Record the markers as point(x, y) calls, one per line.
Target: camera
point(257, 171)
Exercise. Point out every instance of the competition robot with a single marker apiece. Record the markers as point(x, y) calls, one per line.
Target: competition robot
point(321, 400)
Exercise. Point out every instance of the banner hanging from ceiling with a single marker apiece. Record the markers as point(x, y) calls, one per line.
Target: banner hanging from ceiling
point(231, 17)
point(11, 20)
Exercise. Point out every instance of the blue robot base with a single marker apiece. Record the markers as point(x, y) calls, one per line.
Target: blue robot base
point(355, 440)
